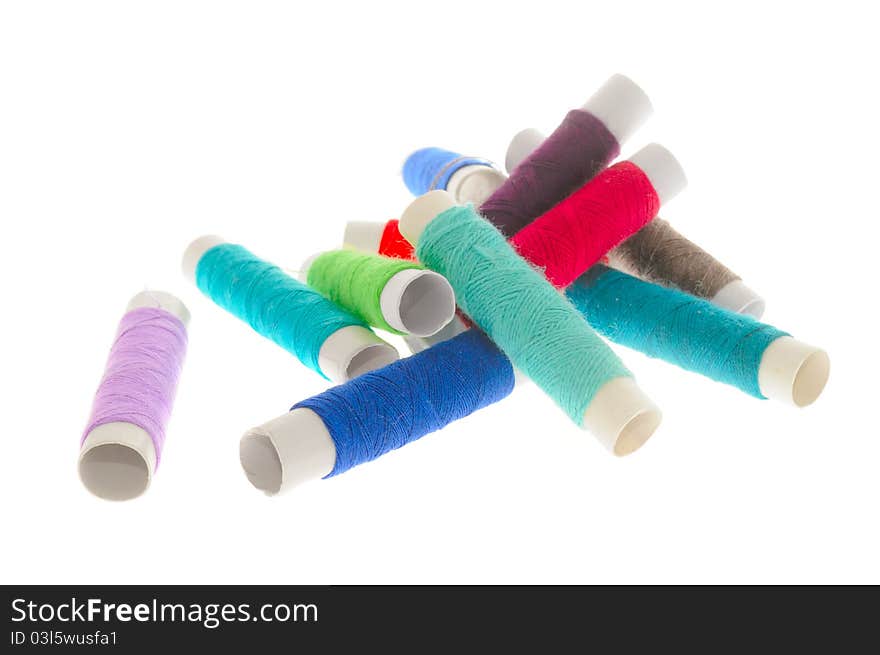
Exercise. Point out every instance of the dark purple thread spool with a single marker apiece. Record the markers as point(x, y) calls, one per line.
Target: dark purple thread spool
point(586, 142)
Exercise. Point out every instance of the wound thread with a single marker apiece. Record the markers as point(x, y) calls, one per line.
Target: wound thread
point(394, 244)
point(572, 155)
point(276, 306)
point(140, 380)
point(659, 254)
point(390, 407)
point(576, 233)
point(431, 168)
point(541, 333)
point(673, 326)
point(355, 281)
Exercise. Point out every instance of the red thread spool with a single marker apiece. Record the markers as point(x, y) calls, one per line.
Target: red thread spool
point(577, 232)
point(393, 244)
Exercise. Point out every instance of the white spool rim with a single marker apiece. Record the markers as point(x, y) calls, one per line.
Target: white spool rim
point(474, 183)
point(421, 211)
point(363, 235)
point(621, 105)
point(287, 451)
point(523, 144)
point(662, 169)
point(793, 372)
point(621, 416)
point(117, 461)
point(160, 300)
point(352, 351)
point(194, 252)
point(417, 302)
point(738, 297)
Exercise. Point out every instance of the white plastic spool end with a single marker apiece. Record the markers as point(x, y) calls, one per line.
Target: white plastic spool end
point(363, 235)
point(421, 211)
point(738, 297)
point(793, 372)
point(662, 169)
point(417, 302)
point(352, 351)
point(450, 330)
point(521, 146)
point(621, 105)
point(194, 252)
point(117, 460)
point(287, 451)
point(621, 416)
point(474, 183)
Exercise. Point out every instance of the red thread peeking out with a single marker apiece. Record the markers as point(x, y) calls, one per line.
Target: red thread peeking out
point(393, 244)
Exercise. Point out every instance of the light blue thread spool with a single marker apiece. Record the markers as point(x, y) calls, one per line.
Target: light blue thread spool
point(467, 179)
point(541, 333)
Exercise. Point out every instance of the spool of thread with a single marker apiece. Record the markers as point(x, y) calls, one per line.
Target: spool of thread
point(395, 295)
point(698, 336)
point(472, 178)
point(122, 443)
point(585, 142)
point(540, 331)
point(376, 413)
point(658, 253)
point(578, 231)
point(323, 336)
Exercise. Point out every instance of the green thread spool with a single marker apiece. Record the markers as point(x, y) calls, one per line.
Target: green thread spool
point(396, 295)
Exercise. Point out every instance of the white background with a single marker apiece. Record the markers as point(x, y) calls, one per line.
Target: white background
point(128, 129)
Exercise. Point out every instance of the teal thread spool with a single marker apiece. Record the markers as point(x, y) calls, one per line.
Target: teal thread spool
point(392, 294)
point(320, 334)
point(699, 336)
point(541, 333)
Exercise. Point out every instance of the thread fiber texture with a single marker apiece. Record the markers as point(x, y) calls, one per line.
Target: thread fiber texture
point(659, 254)
point(576, 151)
point(575, 234)
point(541, 333)
point(390, 407)
point(355, 280)
point(431, 168)
point(140, 379)
point(294, 316)
point(394, 244)
point(665, 323)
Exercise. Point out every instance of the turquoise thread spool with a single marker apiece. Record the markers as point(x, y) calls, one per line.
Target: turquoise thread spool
point(541, 333)
point(341, 346)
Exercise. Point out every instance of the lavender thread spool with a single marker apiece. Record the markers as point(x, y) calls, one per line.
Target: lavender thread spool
point(122, 444)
